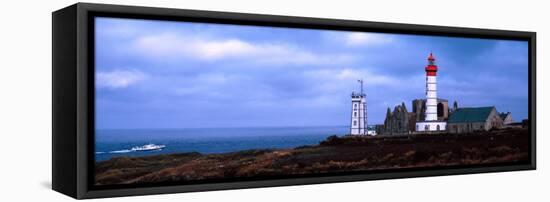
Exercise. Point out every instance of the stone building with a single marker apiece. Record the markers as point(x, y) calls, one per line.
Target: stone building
point(465, 120)
point(419, 108)
point(397, 121)
point(401, 121)
point(506, 118)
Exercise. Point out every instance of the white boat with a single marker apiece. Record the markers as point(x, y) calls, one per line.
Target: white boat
point(148, 147)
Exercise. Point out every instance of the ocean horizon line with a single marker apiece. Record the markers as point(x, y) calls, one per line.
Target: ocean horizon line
point(237, 127)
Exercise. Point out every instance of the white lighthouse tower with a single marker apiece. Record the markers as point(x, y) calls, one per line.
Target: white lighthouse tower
point(359, 112)
point(431, 123)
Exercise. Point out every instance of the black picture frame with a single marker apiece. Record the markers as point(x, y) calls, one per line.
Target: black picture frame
point(73, 96)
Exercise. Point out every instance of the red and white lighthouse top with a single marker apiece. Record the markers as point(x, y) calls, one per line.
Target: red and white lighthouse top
point(431, 68)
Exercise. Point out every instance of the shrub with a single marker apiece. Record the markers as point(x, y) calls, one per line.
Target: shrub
point(332, 140)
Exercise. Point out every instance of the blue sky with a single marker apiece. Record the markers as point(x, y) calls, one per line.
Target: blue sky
point(160, 74)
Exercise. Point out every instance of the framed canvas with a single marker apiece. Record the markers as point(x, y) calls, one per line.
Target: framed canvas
point(156, 100)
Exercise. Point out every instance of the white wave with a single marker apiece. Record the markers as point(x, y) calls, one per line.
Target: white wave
point(121, 151)
point(147, 147)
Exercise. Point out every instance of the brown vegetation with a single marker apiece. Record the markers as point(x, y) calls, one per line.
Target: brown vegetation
point(336, 154)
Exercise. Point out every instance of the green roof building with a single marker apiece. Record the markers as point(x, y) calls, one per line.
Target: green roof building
point(470, 119)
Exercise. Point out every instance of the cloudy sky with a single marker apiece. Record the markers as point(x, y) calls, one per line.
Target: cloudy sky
point(159, 74)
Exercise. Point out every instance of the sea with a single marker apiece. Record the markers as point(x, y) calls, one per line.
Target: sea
point(111, 143)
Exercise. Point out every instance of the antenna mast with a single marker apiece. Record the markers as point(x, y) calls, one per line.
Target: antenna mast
point(361, 81)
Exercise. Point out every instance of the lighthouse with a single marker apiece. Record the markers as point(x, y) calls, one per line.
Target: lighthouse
point(431, 89)
point(431, 123)
point(359, 112)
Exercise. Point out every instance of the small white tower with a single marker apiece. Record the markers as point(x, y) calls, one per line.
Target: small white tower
point(358, 112)
point(431, 123)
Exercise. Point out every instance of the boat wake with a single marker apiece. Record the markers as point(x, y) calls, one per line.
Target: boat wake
point(147, 147)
